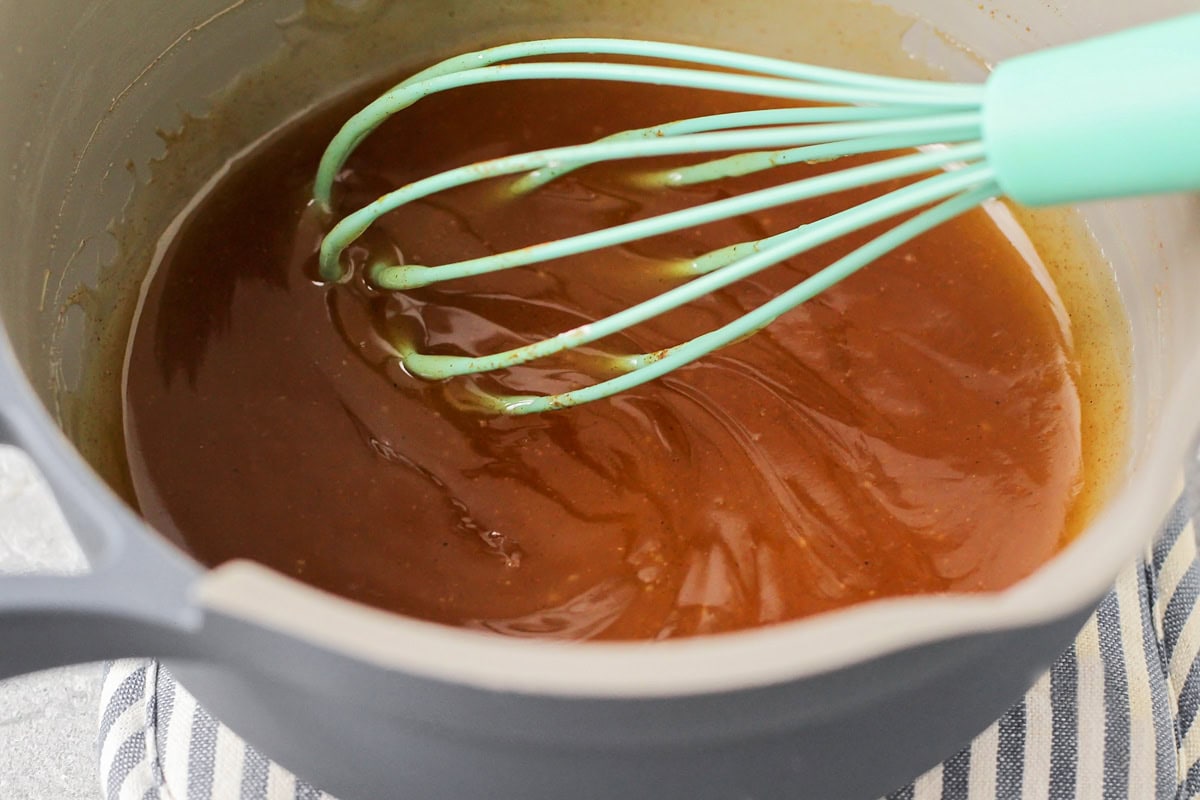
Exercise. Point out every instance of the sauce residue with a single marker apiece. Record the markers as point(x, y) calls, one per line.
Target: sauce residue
point(915, 429)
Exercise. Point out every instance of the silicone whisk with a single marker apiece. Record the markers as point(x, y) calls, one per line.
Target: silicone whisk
point(1104, 118)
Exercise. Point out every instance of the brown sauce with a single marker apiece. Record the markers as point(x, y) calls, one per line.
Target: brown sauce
point(915, 429)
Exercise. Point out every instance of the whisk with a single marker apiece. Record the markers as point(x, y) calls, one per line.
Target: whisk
point(1109, 117)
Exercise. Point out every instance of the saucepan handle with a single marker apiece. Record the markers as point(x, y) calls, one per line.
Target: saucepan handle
point(134, 602)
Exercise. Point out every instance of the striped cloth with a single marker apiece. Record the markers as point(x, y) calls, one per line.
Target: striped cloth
point(1114, 718)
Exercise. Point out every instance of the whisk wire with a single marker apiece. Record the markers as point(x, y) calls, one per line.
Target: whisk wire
point(674, 358)
point(953, 128)
point(770, 251)
point(781, 79)
point(733, 121)
point(706, 56)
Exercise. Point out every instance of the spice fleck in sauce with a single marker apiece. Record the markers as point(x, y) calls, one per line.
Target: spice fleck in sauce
point(915, 429)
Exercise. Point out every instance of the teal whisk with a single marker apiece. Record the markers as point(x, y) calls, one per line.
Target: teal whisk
point(1108, 117)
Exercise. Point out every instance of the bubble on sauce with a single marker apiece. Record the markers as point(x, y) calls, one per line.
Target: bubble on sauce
point(504, 546)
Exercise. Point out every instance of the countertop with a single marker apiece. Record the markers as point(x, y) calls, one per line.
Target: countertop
point(47, 720)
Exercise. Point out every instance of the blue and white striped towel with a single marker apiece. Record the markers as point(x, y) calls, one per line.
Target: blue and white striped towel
point(1114, 718)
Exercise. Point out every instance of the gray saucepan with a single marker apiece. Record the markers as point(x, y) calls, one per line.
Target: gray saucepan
point(370, 705)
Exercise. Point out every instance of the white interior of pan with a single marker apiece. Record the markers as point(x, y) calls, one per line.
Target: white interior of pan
point(91, 104)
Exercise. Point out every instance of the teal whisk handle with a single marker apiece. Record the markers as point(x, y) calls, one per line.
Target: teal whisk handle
point(1109, 117)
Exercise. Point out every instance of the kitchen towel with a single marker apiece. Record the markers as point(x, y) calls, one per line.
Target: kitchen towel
point(1115, 717)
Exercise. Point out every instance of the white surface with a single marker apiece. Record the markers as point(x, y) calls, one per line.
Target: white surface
point(48, 720)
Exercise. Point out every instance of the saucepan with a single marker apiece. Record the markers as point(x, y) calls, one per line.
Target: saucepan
point(371, 705)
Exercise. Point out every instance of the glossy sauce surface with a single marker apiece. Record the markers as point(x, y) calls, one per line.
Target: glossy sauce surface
point(915, 429)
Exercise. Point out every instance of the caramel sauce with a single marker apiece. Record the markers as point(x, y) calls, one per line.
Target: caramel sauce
point(915, 429)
